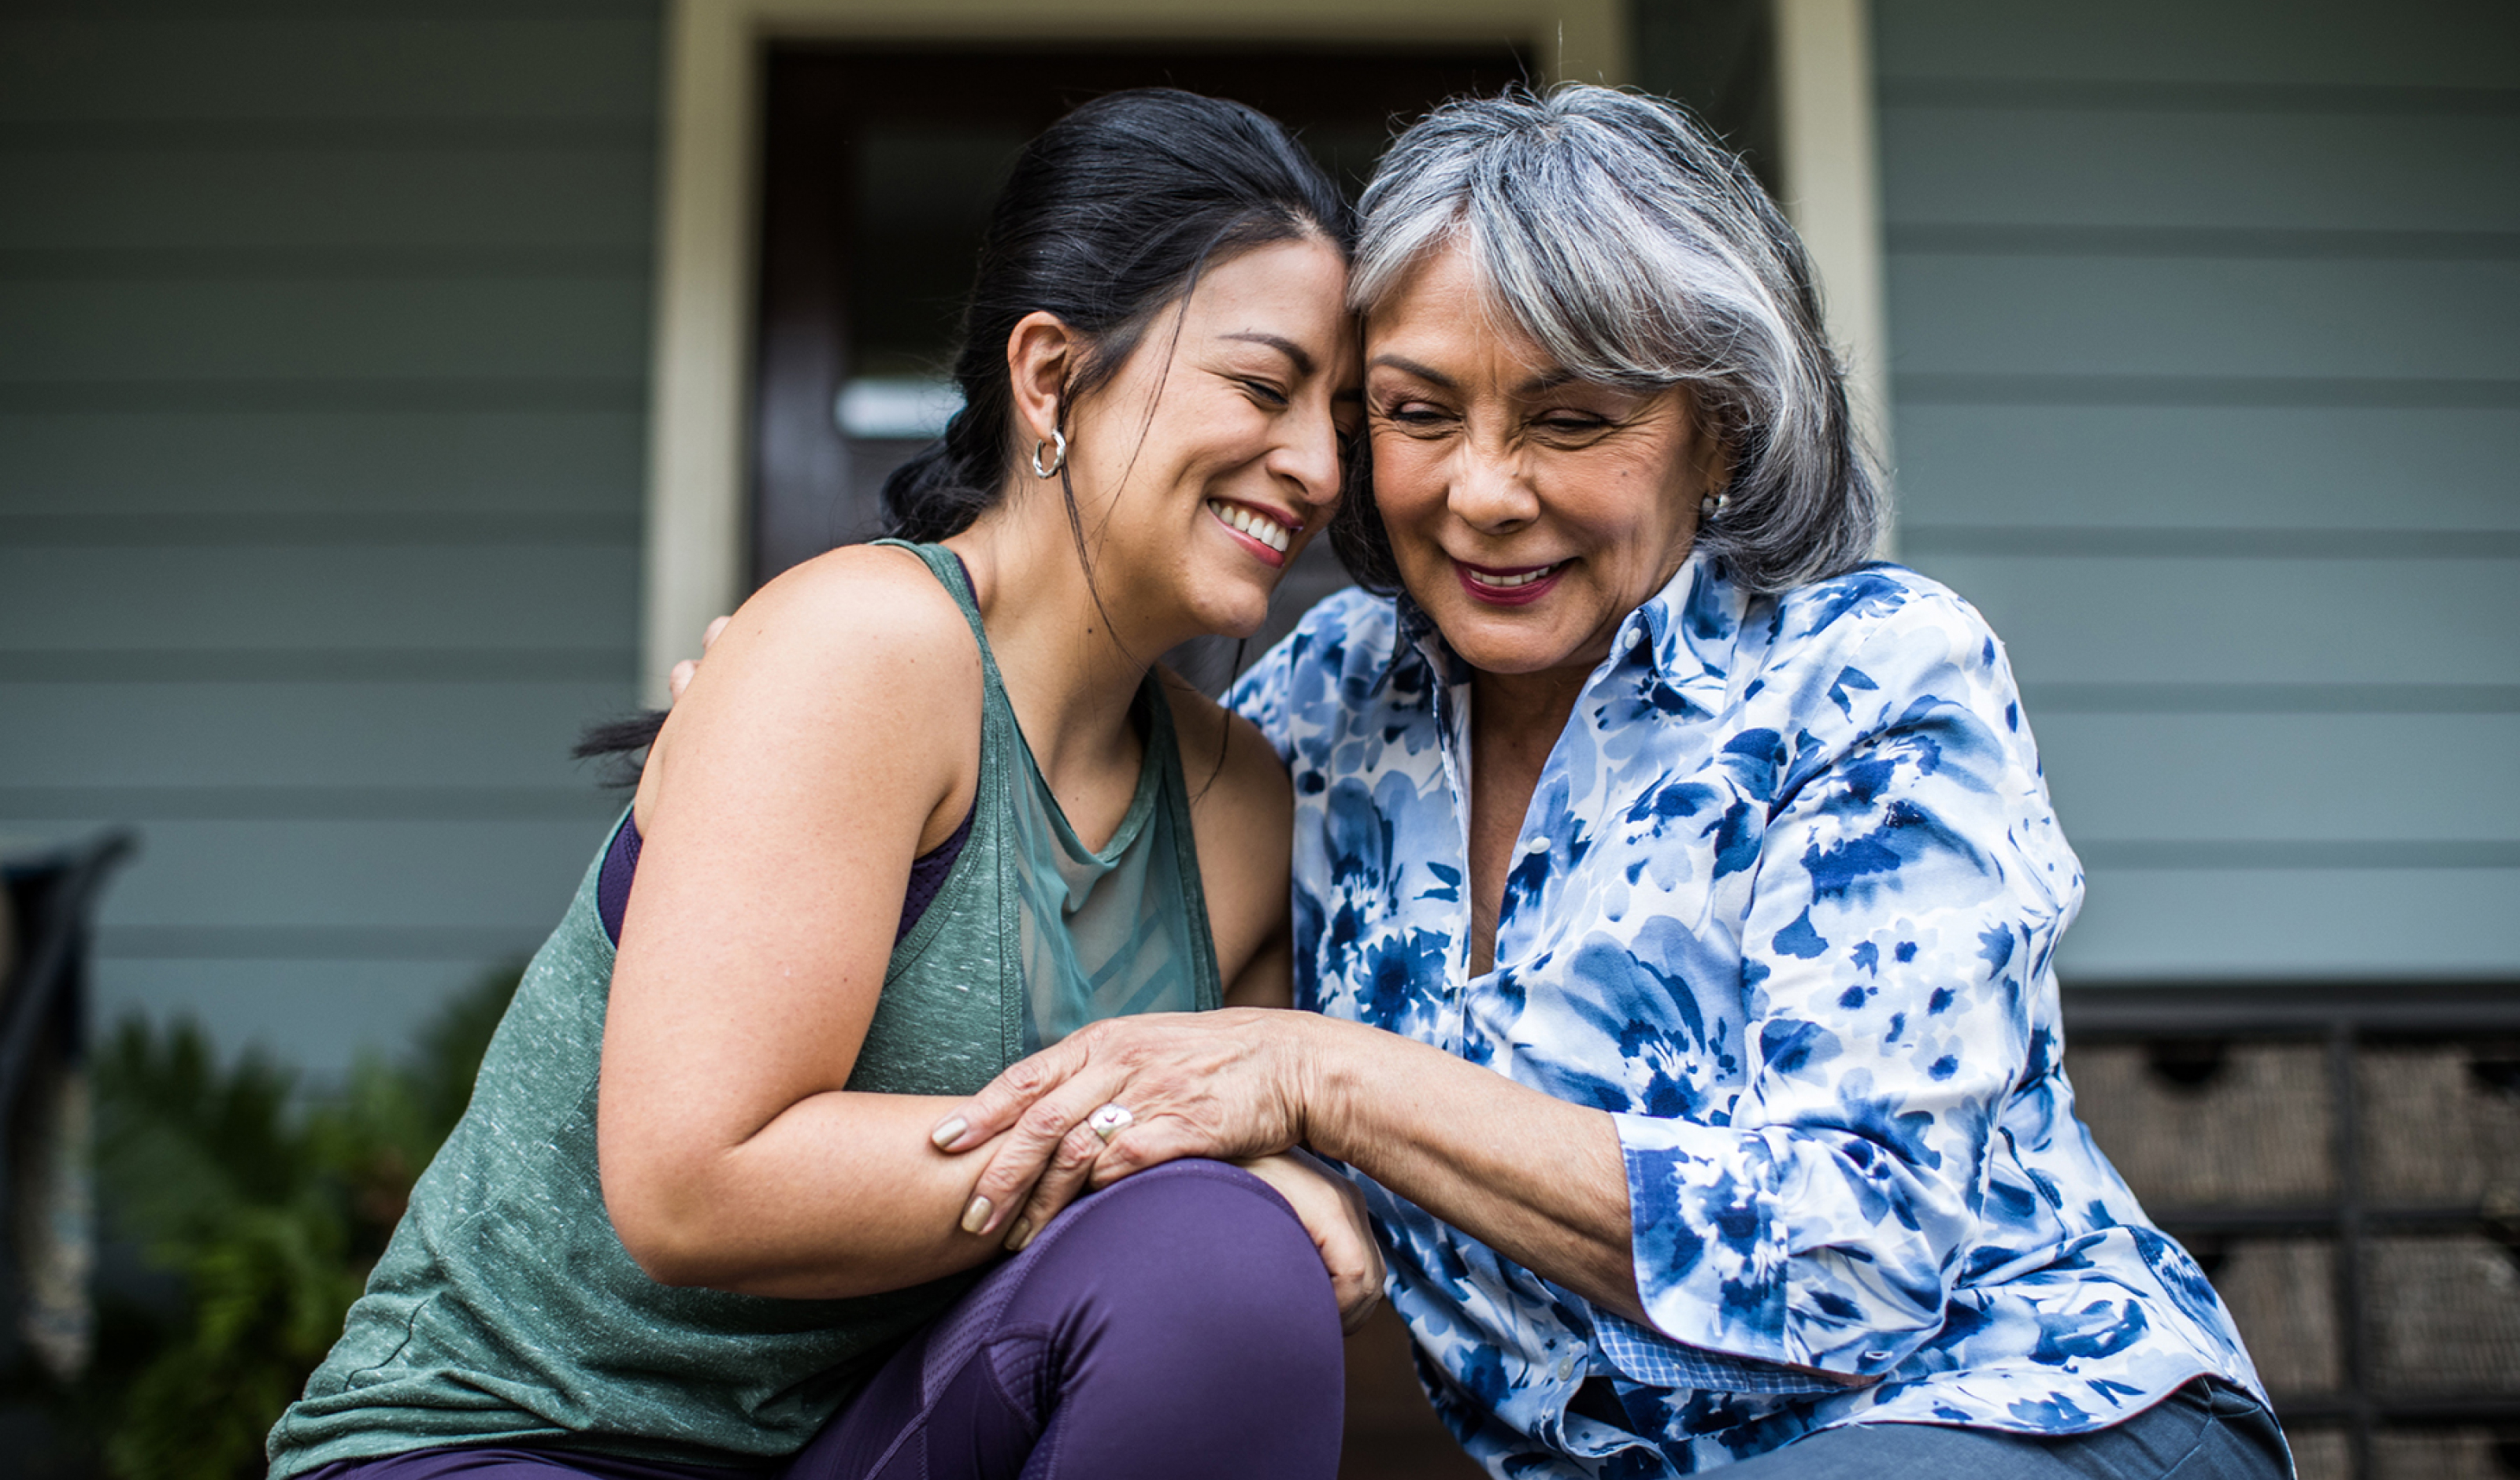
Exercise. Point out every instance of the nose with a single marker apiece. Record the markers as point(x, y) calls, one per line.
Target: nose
point(1488, 490)
point(1307, 457)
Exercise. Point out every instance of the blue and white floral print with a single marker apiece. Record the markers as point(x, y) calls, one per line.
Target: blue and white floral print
point(1783, 905)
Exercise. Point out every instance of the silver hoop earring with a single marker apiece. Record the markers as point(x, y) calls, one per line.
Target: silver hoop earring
point(1058, 445)
point(1711, 506)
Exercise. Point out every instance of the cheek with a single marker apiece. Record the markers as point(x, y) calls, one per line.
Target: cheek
point(1628, 499)
point(1407, 479)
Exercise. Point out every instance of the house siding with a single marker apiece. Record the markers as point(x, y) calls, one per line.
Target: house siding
point(323, 381)
point(2207, 391)
point(323, 377)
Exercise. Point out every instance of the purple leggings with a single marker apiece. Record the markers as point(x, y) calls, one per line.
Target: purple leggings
point(1176, 1324)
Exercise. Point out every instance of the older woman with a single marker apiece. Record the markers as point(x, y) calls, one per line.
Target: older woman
point(1675, 892)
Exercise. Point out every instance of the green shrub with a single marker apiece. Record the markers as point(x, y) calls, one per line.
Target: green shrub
point(269, 1208)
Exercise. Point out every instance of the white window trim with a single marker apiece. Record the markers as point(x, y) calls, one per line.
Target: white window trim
point(1833, 188)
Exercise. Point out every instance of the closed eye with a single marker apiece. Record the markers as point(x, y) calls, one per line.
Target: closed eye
point(1570, 428)
point(1415, 415)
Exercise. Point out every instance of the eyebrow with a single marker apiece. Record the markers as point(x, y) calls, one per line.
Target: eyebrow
point(1539, 385)
point(1421, 371)
point(1284, 345)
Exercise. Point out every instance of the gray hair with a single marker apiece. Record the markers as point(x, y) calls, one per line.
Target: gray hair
point(1634, 249)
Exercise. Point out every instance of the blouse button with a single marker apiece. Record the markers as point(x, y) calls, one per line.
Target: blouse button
point(1565, 1367)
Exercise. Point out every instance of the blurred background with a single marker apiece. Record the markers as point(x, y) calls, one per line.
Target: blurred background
point(388, 388)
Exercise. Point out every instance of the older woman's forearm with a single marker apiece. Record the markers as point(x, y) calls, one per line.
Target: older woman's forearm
point(1538, 1179)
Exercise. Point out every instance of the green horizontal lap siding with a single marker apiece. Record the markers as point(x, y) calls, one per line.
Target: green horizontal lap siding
point(2182, 777)
point(131, 205)
point(286, 461)
point(2154, 919)
point(320, 736)
point(386, 325)
point(2197, 169)
point(2225, 45)
point(120, 66)
point(2339, 622)
point(323, 357)
point(317, 595)
point(2203, 321)
point(2175, 467)
point(508, 876)
point(1987, 313)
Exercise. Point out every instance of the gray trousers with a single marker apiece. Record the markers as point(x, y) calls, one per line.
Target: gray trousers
point(2204, 1431)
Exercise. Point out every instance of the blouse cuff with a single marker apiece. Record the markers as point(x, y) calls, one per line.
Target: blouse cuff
point(1646, 1355)
point(1708, 1237)
point(1717, 1215)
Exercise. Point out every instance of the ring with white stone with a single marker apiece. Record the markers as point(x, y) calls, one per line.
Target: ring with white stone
point(1109, 1121)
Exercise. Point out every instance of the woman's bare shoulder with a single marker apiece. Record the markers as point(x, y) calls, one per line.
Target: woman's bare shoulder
point(853, 619)
point(856, 652)
point(861, 592)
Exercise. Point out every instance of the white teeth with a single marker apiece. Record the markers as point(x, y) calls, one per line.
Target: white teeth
point(1261, 527)
point(1508, 582)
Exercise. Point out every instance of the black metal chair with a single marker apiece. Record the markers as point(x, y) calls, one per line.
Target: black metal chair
point(43, 1016)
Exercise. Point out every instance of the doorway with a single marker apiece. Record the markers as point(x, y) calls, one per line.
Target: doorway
point(878, 168)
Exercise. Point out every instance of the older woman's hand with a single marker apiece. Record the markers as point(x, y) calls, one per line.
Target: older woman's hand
point(1222, 1084)
point(681, 675)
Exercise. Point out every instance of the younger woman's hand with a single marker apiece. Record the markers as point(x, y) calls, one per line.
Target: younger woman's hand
point(1333, 1211)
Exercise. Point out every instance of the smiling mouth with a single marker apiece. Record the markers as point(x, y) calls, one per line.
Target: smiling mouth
point(1252, 523)
point(1509, 588)
point(1519, 578)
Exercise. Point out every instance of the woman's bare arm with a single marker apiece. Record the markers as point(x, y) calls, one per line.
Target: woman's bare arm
point(780, 809)
point(708, 1202)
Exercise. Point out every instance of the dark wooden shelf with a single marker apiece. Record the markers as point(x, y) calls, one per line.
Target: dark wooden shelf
point(2339, 1042)
point(2329, 1219)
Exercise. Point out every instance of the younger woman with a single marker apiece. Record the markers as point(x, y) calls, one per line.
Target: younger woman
point(928, 810)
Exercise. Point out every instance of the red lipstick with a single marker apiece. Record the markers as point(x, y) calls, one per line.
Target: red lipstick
point(1481, 582)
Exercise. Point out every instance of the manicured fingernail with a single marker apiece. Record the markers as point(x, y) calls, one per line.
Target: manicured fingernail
point(1019, 1235)
point(949, 1133)
point(977, 1216)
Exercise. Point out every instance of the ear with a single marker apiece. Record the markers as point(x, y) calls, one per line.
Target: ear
point(1042, 356)
point(1718, 466)
point(1712, 455)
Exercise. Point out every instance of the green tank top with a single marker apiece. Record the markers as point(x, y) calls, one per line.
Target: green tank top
point(505, 1311)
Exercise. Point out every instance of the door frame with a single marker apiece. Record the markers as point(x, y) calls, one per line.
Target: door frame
point(696, 555)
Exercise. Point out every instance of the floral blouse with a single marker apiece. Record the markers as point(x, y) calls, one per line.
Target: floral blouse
point(1784, 904)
